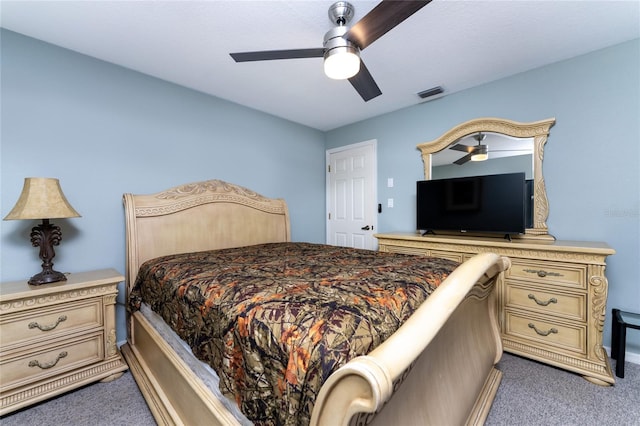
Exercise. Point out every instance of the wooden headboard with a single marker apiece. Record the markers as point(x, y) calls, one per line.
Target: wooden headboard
point(199, 216)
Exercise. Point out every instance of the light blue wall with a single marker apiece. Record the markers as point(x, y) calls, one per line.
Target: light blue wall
point(104, 130)
point(592, 158)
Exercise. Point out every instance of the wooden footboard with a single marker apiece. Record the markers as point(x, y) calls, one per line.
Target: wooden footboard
point(450, 345)
point(438, 368)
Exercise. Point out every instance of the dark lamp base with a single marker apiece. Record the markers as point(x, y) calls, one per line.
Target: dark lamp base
point(46, 236)
point(47, 277)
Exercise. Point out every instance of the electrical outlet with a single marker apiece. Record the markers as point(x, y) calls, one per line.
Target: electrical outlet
point(389, 182)
point(390, 203)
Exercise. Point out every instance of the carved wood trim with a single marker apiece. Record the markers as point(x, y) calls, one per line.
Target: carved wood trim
point(212, 191)
point(28, 302)
point(75, 378)
point(580, 365)
point(599, 285)
point(517, 252)
point(112, 347)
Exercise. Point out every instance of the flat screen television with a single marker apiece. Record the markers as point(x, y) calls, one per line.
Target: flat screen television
point(490, 203)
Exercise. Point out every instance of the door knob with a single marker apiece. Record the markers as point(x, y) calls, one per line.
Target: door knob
point(366, 228)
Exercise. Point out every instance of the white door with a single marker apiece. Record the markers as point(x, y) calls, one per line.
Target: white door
point(351, 196)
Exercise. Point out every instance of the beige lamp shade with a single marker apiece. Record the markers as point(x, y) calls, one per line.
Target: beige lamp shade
point(41, 198)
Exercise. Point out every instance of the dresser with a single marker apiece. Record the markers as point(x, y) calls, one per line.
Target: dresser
point(57, 337)
point(551, 303)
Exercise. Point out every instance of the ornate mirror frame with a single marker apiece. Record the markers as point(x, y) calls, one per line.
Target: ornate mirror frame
point(538, 130)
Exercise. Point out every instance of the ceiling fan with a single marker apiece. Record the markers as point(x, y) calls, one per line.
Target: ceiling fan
point(479, 152)
point(475, 153)
point(342, 45)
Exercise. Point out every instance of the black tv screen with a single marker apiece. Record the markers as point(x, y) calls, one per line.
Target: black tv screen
point(490, 203)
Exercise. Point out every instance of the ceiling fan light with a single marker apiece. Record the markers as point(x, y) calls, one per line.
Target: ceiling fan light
point(341, 57)
point(341, 63)
point(480, 154)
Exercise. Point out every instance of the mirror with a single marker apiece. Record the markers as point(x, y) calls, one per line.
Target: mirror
point(500, 136)
point(505, 154)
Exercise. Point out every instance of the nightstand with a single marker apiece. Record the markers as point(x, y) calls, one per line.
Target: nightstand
point(57, 337)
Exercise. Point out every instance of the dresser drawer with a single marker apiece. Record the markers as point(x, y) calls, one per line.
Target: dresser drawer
point(563, 304)
point(404, 250)
point(43, 323)
point(456, 257)
point(548, 333)
point(549, 273)
point(50, 361)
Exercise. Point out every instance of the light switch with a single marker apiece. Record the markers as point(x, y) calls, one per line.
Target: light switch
point(389, 182)
point(390, 203)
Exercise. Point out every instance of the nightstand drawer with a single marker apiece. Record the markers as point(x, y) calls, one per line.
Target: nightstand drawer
point(564, 336)
point(567, 305)
point(45, 323)
point(50, 361)
point(548, 273)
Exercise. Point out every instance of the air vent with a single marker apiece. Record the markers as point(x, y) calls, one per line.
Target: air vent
point(431, 92)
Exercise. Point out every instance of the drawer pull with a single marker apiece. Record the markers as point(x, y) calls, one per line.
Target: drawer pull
point(542, 273)
point(540, 302)
point(543, 333)
point(36, 363)
point(47, 327)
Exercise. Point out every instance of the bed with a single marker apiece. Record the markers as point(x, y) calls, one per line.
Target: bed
point(438, 367)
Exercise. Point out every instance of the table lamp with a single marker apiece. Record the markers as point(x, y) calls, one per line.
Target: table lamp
point(42, 198)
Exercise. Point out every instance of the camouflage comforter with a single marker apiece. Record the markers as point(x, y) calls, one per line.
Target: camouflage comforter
point(275, 320)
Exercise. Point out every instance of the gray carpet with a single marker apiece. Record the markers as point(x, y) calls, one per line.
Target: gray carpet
point(116, 403)
point(530, 394)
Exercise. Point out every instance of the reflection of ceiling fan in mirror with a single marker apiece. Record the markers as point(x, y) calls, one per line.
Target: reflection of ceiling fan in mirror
point(479, 152)
point(342, 46)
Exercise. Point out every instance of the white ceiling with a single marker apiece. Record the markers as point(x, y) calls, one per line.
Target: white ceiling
point(453, 44)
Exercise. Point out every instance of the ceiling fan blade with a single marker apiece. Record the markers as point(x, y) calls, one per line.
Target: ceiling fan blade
point(463, 148)
point(364, 83)
point(463, 160)
point(381, 19)
point(269, 55)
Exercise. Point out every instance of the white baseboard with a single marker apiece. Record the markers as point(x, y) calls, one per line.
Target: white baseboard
point(628, 356)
